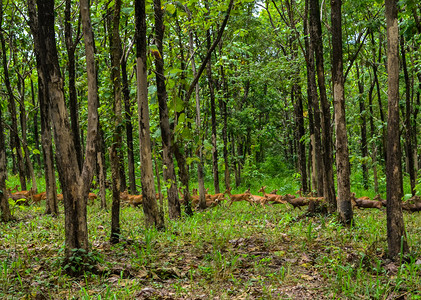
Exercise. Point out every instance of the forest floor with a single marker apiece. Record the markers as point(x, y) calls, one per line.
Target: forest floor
point(238, 252)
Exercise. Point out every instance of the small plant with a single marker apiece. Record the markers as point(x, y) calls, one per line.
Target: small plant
point(80, 262)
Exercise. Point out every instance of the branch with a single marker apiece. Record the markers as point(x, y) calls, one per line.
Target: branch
point(208, 55)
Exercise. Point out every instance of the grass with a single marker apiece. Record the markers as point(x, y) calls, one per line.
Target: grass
point(225, 253)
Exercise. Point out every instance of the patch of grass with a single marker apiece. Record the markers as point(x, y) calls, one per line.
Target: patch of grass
point(242, 251)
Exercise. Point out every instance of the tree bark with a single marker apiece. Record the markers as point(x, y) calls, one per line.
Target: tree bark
point(76, 234)
point(150, 206)
point(129, 127)
point(23, 126)
point(396, 236)
point(35, 127)
point(313, 100)
point(213, 117)
point(342, 155)
point(115, 151)
point(73, 102)
point(408, 126)
point(363, 128)
point(174, 210)
point(316, 40)
point(373, 143)
point(5, 214)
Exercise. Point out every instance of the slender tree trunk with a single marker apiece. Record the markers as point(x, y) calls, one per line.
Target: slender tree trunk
point(168, 163)
point(73, 102)
point(115, 151)
point(35, 127)
point(343, 169)
point(363, 128)
point(5, 215)
point(184, 178)
point(213, 116)
point(313, 100)
point(129, 127)
point(373, 143)
point(223, 109)
point(396, 237)
point(150, 206)
point(23, 126)
point(408, 127)
point(378, 89)
point(101, 173)
point(158, 183)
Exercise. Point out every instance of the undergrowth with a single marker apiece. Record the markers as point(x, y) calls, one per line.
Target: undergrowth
point(241, 252)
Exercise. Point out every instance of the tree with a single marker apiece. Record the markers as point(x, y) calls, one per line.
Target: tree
point(164, 123)
point(115, 150)
point(316, 40)
point(73, 102)
point(342, 155)
point(150, 206)
point(75, 183)
point(396, 237)
point(5, 215)
point(46, 135)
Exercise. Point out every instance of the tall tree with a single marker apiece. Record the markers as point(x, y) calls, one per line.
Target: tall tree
point(150, 206)
point(164, 123)
point(5, 214)
point(115, 45)
point(396, 237)
point(128, 122)
point(363, 127)
point(71, 67)
point(213, 117)
point(316, 40)
point(342, 155)
point(46, 135)
point(75, 184)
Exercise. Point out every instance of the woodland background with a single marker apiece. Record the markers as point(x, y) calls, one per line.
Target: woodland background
point(238, 94)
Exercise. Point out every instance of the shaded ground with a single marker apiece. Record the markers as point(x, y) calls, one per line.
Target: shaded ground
point(238, 253)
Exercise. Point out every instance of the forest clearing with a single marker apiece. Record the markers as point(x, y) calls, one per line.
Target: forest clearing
point(210, 149)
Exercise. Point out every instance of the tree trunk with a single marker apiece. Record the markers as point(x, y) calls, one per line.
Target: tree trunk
point(129, 127)
point(101, 173)
point(150, 206)
point(213, 117)
point(342, 154)
point(379, 98)
point(313, 101)
point(23, 126)
point(73, 103)
point(373, 143)
point(396, 237)
point(76, 233)
point(408, 127)
point(115, 45)
point(168, 163)
point(363, 128)
point(35, 128)
point(316, 40)
point(183, 174)
point(5, 215)
point(224, 112)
